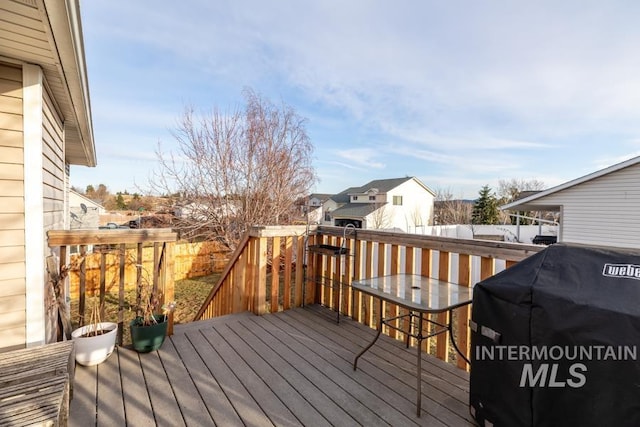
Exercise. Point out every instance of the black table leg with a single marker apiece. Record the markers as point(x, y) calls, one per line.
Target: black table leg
point(355, 361)
point(419, 367)
point(450, 328)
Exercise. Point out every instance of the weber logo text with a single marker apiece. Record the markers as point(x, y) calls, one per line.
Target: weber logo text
point(629, 271)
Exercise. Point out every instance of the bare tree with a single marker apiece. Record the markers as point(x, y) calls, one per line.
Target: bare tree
point(449, 210)
point(416, 218)
point(380, 217)
point(512, 189)
point(237, 169)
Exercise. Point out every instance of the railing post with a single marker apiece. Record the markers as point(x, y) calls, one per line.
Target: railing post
point(167, 280)
point(259, 285)
point(300, 280)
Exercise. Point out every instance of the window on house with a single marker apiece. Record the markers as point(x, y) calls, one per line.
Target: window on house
point(372, 198)
point(397, 200)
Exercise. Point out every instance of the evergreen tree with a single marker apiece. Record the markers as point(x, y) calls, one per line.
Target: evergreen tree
point(120, 202)
point(485, 208)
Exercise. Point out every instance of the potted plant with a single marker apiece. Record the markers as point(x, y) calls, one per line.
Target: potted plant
point(149, 328)
point(95, 341)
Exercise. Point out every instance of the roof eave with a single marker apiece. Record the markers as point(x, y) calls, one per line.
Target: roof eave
point(526, 203)
point(63, 18)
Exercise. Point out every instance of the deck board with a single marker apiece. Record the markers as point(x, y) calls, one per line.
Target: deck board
point(373, 406)
point(193, 409)
point(210, 392)
point(285, 369)
point(82, 407)
point(135, 395)
point(304, 378)
point(394, 368)
point(110, 389)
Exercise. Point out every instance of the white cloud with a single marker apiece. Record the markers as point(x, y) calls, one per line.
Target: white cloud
point(471, 88)
point(363, 157)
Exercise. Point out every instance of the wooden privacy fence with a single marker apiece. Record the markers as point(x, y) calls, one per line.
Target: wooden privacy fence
point(265, 275)
point(120, 252)
point(190, 260)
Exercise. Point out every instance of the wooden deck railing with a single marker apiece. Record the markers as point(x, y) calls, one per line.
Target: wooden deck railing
point(265, 273)
point(121, 253)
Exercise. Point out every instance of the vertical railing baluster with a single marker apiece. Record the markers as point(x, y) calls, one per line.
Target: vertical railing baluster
point(394, 309)
point(347, 303)
point(356, 302)
point(368, 273)
point(288, 261)
point(138, 275)
point(442, 343)
point(121, 265)
point(103, 281)
point(156, 266)
point(425, 271)
point(382, 263)
point(83, 284)
point(275, 274)
point(167, 280)
point(408, 269)
point(300, 283)
point(463, 314)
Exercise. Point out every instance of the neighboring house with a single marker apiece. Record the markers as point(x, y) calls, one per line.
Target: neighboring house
point(404, 204)
point(597, 209)
point(202, 211)
point(84, 213)
point(314, 207)
point(45, 126)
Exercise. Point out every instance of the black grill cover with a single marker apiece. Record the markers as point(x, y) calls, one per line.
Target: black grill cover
point(582, 305)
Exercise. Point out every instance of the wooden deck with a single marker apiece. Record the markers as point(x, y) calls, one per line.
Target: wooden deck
point(285, 369)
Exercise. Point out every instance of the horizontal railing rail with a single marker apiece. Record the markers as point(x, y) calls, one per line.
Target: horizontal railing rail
point(123, 256)
point(273, 270)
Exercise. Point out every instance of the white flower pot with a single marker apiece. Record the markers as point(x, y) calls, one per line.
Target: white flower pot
point(93, 350)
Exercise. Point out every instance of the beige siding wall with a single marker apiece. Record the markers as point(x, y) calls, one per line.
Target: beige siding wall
point(603, 211)
point(54, 183)
point(12, 225)
point(53, 165)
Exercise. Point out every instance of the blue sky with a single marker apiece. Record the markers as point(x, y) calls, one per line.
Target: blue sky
point(457, 93)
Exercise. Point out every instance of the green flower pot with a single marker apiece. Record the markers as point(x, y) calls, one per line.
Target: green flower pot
point(148, 338)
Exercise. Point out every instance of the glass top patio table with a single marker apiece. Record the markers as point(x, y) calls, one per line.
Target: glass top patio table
point(418, 293)
point(421, 295)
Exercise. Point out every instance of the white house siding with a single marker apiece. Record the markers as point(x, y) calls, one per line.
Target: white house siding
point(416, 208)
point(12, 208)
point(603, 211)
point(328, 206)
